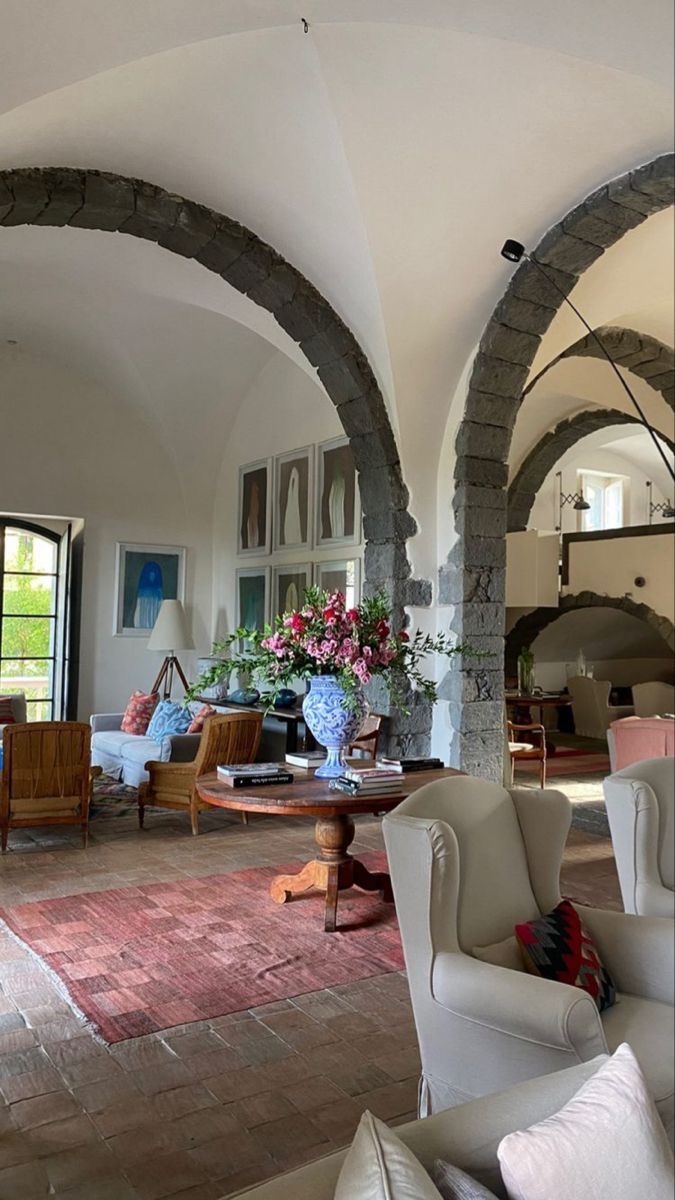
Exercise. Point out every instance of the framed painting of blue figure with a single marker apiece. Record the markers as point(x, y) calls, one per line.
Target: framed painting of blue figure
point(144, 576)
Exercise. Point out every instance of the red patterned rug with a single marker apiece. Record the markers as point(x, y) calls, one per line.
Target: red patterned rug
point(139, 959)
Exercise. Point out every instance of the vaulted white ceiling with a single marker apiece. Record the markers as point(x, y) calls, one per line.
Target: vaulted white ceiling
point(386, 153)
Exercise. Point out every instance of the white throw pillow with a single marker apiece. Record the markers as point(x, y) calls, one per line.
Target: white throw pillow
point(607, 1143)
point(379, 1167)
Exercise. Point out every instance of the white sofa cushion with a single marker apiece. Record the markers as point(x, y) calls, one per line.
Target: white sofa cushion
point(379, 1166)
point(111, 741)
point(144, 749)
point(607, 1142)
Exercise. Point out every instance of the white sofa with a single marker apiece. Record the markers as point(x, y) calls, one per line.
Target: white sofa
point(641, 811)
point(593, 714)
point(653, 699)
point(469, 860)
point(467, 1136)
point(124, 755)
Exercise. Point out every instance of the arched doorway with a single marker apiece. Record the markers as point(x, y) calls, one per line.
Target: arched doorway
point(549, 449)
point(88, 199)
point(475, 574)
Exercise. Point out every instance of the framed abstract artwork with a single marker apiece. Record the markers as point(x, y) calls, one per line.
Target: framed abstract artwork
point(288, 588)
point(253, 596)
point(343, 575)
point(144, 576)
point(293, 494)
point(255, 508)
point(338, 515)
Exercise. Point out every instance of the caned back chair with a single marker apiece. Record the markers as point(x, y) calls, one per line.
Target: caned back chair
point(226, 738)
point(368, 736)
point(46, 776)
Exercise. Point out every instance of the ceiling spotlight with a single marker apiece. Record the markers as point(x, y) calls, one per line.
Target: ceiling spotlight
point(512, 250)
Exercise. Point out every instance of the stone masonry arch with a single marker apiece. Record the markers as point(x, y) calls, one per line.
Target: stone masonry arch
point(529, 626)
point(88, 199)
point(549, 449)
point(473, 579)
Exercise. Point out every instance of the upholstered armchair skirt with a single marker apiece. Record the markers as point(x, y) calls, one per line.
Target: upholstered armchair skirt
point(641, 811)
point(470, 860)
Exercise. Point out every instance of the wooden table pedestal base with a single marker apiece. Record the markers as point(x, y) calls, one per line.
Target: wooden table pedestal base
point(333, 871)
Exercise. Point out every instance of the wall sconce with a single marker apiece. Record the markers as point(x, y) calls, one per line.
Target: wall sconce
point(576, 499)
point(667, 510)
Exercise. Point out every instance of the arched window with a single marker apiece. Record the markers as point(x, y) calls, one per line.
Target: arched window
point(33, 616)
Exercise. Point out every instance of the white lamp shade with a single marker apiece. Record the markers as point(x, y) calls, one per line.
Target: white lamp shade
point(171, 631)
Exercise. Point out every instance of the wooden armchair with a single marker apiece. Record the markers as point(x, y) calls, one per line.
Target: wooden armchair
point(226, 738)
point(526, 751)
point(46, 776)
point(367, 737)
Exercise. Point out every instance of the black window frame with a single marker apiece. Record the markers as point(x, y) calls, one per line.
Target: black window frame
point(7, 522)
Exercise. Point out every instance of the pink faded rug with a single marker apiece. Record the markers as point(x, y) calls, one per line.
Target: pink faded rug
point(139, 959)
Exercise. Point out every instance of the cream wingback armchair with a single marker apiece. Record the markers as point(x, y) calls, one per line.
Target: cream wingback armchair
point(593, 713)
point(653, 699)
point(469, 860)
point(641, 811)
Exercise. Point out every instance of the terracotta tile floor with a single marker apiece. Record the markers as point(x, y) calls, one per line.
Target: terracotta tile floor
point(198, 1111)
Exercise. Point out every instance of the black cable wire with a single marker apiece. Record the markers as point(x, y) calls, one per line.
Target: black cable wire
point(542, 270)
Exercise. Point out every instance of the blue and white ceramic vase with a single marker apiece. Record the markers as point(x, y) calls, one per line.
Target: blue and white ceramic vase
point(332, 724)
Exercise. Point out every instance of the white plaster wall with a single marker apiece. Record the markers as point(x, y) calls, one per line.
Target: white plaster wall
point(544, 514)
point(71, 449)
point(621, 672)
point(610, 568)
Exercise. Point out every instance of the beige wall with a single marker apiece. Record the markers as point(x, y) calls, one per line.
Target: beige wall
point(611, 566)
point(71, 449)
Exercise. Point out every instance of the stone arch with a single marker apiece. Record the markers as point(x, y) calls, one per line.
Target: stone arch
point(529, 626)
point(542, 458)
point(639, 353)
point(87, 199)
point(473, 579)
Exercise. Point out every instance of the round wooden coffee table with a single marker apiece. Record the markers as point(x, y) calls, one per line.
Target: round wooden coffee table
point(334, 869)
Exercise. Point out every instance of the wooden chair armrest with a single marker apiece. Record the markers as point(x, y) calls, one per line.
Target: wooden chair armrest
point(169, 768)
point(537, 726)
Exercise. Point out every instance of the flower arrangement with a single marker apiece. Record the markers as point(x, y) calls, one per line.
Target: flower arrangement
point(324, 637)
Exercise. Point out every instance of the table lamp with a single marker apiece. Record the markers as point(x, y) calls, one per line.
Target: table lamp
point(170, 633)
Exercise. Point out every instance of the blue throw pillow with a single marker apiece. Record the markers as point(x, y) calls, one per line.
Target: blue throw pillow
point(168, 718)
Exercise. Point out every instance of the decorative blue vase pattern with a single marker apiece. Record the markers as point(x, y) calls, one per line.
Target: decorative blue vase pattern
point(333, 725)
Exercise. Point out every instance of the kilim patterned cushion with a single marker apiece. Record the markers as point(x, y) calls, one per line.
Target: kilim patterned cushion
point(558, 947)
point(6, 711)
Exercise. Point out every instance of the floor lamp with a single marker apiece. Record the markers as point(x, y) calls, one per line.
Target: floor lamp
point(170, 633)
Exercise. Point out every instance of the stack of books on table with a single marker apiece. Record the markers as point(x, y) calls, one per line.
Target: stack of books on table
point(308, 759)
point(405, 765)
point(239, 775)
point(369, 781)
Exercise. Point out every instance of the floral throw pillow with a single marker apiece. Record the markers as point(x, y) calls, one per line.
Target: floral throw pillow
point(138, 712)
point(197, 723)
point(559, 947)
point(168, 718)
